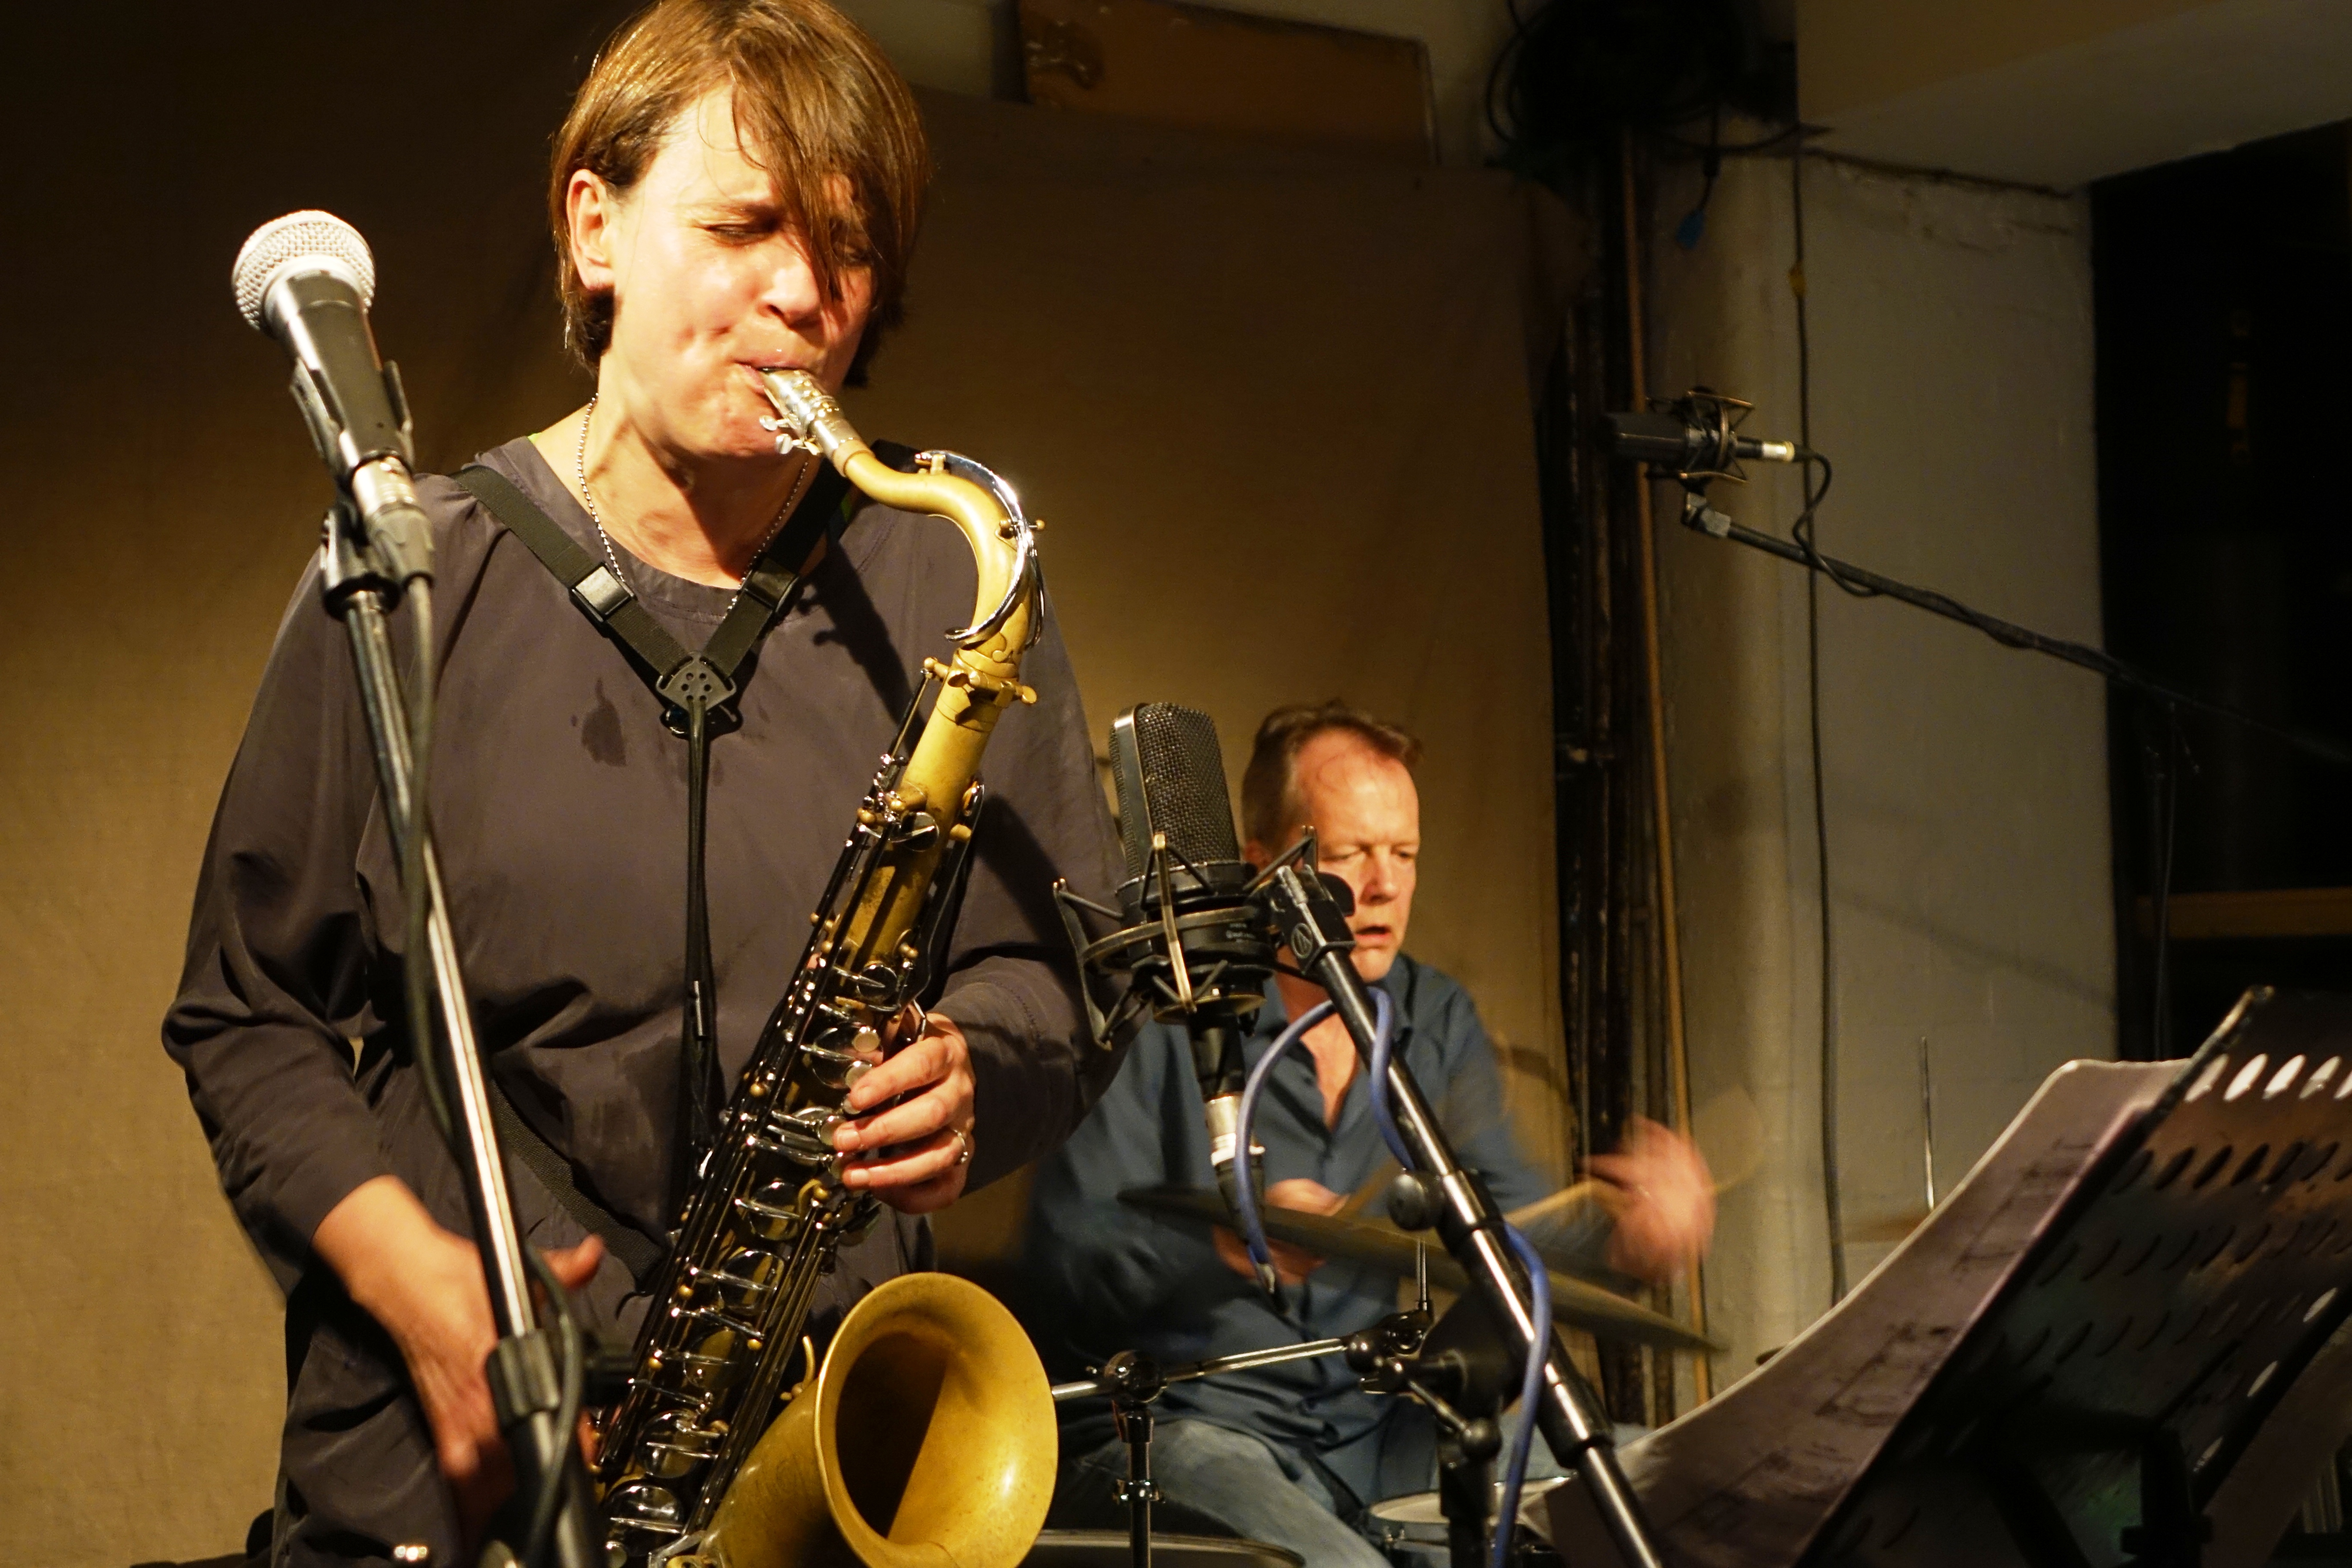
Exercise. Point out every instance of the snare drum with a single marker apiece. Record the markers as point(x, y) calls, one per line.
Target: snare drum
point(1114, 1549)
point(1416, 1516)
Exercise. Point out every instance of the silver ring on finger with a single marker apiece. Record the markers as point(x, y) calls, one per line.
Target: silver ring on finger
point(963, 1146)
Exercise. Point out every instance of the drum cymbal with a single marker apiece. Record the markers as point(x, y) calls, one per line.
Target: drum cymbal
point(1574, 1301)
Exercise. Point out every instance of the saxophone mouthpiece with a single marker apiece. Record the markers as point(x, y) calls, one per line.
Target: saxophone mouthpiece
point(807, 416)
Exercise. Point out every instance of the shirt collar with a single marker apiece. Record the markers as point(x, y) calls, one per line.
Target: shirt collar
point(1276, 1014)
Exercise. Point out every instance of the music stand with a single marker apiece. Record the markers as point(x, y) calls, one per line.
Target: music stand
point(2115, 1343)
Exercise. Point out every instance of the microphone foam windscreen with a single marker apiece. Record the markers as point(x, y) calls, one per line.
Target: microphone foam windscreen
point(321, 239)
point(1170, 778)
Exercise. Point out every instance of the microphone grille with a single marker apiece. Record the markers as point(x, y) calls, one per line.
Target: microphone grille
point(321, 239)
point(1170, 777)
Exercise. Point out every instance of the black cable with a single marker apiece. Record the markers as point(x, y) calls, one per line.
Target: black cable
point(540, 1533)
point(1729, 149)
point(416, 898)
point(1571, 73)
point(1832, 1206)
point(1692, 228)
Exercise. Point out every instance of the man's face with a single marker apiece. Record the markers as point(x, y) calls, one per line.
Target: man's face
point(710, 283)
point(1367, 820)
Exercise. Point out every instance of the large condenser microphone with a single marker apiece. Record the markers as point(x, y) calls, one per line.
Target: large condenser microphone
point(1695, 433)
point(1201, 953)
point(307, 279)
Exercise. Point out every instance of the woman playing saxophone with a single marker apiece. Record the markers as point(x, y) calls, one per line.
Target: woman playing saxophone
point(735, 192)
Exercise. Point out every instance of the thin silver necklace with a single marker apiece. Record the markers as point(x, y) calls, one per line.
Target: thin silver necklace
point(612, 557)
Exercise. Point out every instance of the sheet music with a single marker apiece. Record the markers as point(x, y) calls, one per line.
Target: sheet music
point(1746, 1480)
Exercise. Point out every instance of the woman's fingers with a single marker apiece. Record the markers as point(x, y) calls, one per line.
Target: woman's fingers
point(918, 1181)
point(939, 1066)
point(909, 1163)
point(942, 1106)
point(934, 1056)
point(911, 1153)
point(576, 1264)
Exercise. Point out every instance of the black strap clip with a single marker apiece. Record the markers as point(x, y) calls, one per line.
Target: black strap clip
point(697, 682)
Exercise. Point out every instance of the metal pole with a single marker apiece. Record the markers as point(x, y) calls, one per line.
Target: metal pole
point(1134, 1419)
point(1240, 1360)
point(485, 1189)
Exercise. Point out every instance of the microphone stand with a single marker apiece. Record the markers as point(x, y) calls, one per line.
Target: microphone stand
point(525, 1369)
point(1700, 516)
point(1307, 917)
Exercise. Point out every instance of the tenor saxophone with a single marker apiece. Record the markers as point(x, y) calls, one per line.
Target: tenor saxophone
point(690, 1466)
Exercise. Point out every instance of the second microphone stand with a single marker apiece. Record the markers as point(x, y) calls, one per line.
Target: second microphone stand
point(1308, 918)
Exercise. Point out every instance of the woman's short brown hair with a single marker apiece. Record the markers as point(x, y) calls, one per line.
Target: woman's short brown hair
point(1270, 783)
point(817, 105)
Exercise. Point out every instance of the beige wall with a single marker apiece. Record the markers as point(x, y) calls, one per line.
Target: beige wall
point(2058, 95)
point(1274, 411)
point(1287, 454)
point(1966, 804)
point(1857, 52)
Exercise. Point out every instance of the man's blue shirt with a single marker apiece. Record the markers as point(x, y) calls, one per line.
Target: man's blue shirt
point(1102, 1276)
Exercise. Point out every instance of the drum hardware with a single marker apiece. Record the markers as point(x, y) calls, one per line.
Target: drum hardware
point(1401, 1515)
point(1108, 1549)
point(1462, 1371)
point(1132, 1381)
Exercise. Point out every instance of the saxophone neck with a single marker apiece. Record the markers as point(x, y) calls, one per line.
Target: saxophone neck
point(983, 508)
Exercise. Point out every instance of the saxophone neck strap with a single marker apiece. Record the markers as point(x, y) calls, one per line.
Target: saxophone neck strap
point(683, 680)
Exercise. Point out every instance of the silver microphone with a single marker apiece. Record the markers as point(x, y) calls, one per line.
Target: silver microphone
point(307, 279)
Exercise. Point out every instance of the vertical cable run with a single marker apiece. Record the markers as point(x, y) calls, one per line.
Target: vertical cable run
point(1832, 1205)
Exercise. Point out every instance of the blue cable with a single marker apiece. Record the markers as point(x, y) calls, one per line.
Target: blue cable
point(1244, 1193)
point(1514, 1474)
point(1382, 1115)
point(1245, 1196)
